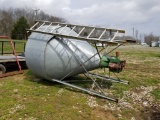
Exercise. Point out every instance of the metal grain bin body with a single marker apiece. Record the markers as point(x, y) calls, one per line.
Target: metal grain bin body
point(50, 57)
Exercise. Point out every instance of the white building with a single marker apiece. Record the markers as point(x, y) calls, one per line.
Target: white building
point(155, 43)
point(159, 43)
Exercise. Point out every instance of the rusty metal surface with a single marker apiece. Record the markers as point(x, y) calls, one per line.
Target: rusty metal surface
point(10, 74)
point(115, 66)
point(4, 59)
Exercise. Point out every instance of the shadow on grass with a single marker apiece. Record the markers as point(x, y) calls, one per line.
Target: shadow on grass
point(79, 80)
point(13, 67)
point(151, 113)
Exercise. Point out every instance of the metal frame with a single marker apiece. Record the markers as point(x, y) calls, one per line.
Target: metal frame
point(14, 43)
point(16, 57)
point(85, 90)
point(98, 39)
point(72, 25)
point(100, 92)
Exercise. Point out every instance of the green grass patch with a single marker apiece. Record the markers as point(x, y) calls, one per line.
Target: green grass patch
point(26, 96)
point(156, 94)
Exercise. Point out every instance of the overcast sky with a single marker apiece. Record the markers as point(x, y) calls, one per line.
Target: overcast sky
point(142, 15)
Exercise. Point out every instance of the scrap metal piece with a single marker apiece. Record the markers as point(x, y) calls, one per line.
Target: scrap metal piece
point(85, 90)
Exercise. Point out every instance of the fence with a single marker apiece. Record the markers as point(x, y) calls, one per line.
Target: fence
point(5, 47)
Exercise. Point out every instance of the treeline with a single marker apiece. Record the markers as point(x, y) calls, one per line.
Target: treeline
point(150, 37)
point(9, 18)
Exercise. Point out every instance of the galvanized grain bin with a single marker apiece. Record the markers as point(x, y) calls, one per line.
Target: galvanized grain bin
point(50, 57)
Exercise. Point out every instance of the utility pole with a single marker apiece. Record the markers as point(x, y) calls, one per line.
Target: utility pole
point(36, 13)
point(133, 32)
point(137, 34)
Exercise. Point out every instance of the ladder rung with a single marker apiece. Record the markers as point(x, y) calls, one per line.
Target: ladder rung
point(62, 29)
point(81, 31)
point(114, 36)
point(102, 34)
point(41, 25)
point(92, 40)
point(34, 25)
point(71, 30)
point(91, 33)
point(54, 28)
point(47, 27)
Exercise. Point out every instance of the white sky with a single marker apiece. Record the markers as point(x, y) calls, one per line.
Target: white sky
point(143, 15)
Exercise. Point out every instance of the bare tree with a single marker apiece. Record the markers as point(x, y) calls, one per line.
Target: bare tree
point(149, 38)
point(10, 16)
point(6, 22)
point(44, 16)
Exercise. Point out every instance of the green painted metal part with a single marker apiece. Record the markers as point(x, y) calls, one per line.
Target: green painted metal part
point(115, 60)
point(108, 62)
point(104, 62)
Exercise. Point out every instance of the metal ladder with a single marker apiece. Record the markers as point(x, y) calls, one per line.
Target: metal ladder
point(86, 33)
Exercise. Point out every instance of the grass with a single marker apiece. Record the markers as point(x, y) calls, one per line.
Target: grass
point(156, 94)
point(41, 100)
point(27, 97)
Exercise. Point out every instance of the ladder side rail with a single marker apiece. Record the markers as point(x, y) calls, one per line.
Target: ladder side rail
point(92, 40)
point(61, 24)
